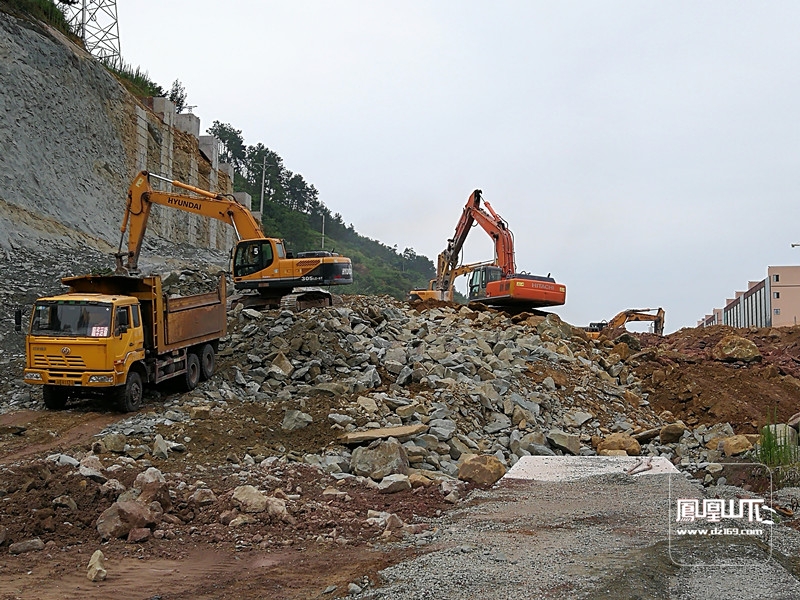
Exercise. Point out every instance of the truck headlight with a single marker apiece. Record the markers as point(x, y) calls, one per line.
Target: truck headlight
point(33, 376)
point(101, 379)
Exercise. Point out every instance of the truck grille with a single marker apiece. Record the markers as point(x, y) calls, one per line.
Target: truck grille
point(49, 361)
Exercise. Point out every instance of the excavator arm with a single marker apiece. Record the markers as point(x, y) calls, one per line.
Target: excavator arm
point(493, 224)
point(653, 315)
point(141, 197)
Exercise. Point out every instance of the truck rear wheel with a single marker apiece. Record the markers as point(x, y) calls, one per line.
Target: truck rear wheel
point(54, 397)
point(129, 396)
point(207, 362)
point(192, 376)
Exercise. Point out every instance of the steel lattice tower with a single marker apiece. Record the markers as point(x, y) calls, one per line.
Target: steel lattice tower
point(95, 22)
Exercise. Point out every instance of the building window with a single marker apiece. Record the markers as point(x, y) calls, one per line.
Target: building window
point(777, 311)
point(776, 295)
point(776, 278)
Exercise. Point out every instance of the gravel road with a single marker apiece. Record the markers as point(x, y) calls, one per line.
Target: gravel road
point(600, 537)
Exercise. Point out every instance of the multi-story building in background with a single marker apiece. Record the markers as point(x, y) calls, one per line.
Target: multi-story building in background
point(771, 302)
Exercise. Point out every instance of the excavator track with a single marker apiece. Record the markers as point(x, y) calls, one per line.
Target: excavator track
point(304, 298)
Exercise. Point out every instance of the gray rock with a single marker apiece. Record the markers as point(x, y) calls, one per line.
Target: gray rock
point(160, 448)
point(394, 483)
point(443, 429)
point(564, 441)
point(380, 459)
point(295, 419)
point(32, 545)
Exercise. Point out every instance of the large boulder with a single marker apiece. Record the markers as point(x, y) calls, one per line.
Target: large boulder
point(670, 434)
point(564, 441)
point(379, 459)
point(118, 519)
point(737, 444)
point(620, 441)
point(484, 469)
point(249, 499)
point(733, 348)
point(295, 419)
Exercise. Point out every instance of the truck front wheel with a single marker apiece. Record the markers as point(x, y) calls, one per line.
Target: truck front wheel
point(192, 376)
point(129, 396)
point(54, 397)
point(207, 362)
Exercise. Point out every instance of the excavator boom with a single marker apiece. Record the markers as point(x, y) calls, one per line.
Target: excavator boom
point(141, 197)
point(259, 263)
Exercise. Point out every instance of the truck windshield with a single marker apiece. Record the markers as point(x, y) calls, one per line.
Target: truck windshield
point(76, 319)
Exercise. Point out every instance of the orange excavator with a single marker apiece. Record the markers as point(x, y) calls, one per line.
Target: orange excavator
point(260, 263)
point(653, 315)
point(492, 283)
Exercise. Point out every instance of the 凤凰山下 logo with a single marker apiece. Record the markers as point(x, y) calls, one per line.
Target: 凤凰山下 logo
point(714, 510)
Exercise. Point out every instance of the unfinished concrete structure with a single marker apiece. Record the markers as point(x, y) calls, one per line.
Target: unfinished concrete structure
point(772, 302)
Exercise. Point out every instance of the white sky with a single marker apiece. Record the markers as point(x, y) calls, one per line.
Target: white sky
point(646, 154)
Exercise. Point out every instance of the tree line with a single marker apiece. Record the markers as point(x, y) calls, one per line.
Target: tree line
point(293, 211)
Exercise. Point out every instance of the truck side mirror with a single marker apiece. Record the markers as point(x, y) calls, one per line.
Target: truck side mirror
point(122, 328)
point(18, 320)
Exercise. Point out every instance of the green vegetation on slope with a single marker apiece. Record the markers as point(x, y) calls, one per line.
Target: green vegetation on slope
point(42, 10)
point(292, 210)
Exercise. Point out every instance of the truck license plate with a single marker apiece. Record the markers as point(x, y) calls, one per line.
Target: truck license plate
point(63, 382)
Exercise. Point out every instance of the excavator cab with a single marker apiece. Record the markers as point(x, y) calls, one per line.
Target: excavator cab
point(252, 256)
point(480, 277)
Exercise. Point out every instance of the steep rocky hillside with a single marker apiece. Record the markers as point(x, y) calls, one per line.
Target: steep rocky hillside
point(71, 139)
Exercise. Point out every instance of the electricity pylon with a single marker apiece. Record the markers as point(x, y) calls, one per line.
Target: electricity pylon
point(95, 22)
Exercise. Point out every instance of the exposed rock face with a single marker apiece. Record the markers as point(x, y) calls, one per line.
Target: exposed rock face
point(734, 348)
point(67, 99)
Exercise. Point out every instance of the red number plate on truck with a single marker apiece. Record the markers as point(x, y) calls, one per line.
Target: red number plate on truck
point(63, 382)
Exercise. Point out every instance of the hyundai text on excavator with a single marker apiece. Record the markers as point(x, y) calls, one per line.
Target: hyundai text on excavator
point(260, 263)
point(653, 315)
point(493, 283)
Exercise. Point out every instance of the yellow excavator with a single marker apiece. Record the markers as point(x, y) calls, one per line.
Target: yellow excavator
point(653, 315)
point(260, 263)
point(434, 292)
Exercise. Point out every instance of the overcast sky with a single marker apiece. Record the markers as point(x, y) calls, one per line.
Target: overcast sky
point(644, 153)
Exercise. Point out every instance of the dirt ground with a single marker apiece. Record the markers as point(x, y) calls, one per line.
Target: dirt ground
point(326, 544)
point(680, 376)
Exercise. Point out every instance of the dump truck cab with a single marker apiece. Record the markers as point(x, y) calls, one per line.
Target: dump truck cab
point(83, 341)
point(115, 334)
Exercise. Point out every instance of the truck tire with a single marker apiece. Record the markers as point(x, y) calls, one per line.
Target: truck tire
point(207, 362)
point(192, 376)
point(54, 397)
point(129, 396)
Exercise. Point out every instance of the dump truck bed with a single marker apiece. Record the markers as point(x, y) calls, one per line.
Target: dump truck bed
point(169, 323)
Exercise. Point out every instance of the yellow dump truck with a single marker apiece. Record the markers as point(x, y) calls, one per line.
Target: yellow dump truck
point(111, 335)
